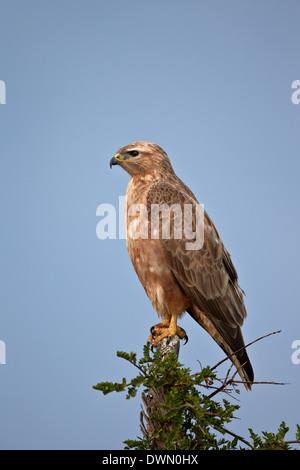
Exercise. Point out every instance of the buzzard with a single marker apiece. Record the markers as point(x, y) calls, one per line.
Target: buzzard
point(181, 271)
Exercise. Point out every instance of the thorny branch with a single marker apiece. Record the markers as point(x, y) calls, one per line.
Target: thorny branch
point(155, 398)
point(244, 347)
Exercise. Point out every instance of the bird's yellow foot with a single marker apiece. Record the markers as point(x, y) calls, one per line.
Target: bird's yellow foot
point(165, 330)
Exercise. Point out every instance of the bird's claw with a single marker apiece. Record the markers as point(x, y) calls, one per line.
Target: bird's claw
point(154, 332)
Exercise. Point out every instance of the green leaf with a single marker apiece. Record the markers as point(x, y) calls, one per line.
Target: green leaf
point(187, 418)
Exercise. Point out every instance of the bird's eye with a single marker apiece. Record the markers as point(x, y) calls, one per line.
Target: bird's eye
point(134, 153)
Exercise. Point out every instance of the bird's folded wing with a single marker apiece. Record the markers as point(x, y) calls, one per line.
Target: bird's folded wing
point(206, 275)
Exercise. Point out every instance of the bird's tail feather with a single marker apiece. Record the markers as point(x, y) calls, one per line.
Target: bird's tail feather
point(232, 344)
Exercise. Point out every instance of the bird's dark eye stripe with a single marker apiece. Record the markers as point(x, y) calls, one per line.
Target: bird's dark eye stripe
point(134, 153)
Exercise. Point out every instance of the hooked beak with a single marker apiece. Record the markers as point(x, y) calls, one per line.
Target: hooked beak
point(114, 160)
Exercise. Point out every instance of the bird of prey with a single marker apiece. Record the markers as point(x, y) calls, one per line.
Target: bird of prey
point(178, 276)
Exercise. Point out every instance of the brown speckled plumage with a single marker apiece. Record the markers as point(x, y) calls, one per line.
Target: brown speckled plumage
point(203, 281)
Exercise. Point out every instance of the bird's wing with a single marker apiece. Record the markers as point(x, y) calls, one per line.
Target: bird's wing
point(207, 275)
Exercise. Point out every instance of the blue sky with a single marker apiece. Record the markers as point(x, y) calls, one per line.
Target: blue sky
point(210, 82)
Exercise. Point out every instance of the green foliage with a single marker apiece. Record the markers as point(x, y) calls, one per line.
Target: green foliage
point(197, 422)
point(271, 441)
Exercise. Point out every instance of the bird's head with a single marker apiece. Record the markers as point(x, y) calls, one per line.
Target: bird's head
point(141, 158)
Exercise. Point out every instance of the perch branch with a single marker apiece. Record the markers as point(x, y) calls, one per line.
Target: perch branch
point(155, 398)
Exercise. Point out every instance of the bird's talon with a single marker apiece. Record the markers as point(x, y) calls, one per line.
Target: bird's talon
point(151, 345)
point(152, 332)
